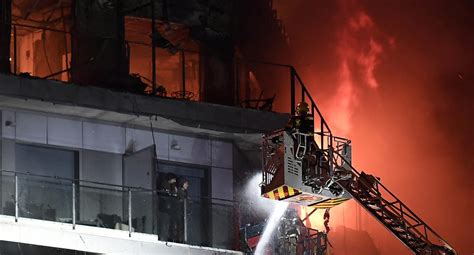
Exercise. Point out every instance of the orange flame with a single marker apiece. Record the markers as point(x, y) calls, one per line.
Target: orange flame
point(359, 53)
point(315, 220)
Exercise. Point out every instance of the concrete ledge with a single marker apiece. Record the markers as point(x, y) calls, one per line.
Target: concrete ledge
point(187, 113)
point(93, 239)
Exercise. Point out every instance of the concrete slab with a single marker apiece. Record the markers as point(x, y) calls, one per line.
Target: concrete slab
point(94, 239)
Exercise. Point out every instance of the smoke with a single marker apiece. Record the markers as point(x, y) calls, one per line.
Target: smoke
point(359, 48)
point(274, 210)
point(358, 53)
point(343, 102)
point(254, 200)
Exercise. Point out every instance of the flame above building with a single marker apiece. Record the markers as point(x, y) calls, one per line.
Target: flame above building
point(395, 78)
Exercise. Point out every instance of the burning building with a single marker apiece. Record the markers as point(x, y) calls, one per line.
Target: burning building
point(135, 126)
point(109, 108)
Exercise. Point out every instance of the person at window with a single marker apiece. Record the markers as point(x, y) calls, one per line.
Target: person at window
point(167, 196)
point(182, 208)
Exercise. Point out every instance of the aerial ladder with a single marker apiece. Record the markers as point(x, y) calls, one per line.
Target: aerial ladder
point(320, 174)
point(391, 212)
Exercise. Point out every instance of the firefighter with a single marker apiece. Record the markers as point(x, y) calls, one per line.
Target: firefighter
point(302, 122)
point(302, 127)
point(167, 199)
point(289, 232)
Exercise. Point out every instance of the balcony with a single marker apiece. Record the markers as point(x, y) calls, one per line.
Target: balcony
point(163, 62)
point(101, 218)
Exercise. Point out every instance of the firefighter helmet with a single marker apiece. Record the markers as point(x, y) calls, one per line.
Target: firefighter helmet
point(302, 108)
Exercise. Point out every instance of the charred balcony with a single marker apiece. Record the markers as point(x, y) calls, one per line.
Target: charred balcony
point(188, 51)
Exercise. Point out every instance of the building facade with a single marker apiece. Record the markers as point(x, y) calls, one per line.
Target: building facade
point(79, 164)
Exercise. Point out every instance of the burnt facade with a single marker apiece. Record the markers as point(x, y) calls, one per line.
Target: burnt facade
point(213, 51)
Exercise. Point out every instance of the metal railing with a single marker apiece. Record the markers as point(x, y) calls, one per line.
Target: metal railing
point(325, 134)
point(132, 209)
point(273, 149)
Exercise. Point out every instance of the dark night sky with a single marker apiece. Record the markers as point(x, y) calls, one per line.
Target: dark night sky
point(415, 129)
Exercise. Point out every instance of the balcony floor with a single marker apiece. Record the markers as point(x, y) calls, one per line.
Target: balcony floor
point(92, 239)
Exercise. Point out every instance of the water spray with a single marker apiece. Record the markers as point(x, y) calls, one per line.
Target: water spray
point(270, 227)
point(270, 207)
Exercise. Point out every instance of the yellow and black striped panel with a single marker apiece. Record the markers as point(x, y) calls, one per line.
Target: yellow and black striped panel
point(282, 192)
point(329, 203)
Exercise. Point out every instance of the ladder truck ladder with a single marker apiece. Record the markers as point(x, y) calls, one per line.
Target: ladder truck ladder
point(391, 212)
point(367, 190)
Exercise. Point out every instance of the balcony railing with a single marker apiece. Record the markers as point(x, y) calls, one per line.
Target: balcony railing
point(190, 220)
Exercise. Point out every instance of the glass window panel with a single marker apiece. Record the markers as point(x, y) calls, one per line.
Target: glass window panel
point(44, 198)
point(102, 207)
point(7, 188)
point(143, 214)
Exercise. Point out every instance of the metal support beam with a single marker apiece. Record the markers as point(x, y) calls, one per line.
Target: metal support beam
point(307, 216)
point(185, 220)
point(65, 43)
point(5, 35)
point(322, 134)
point(303, 92)
point(15, 62)
point(183, 74)
point(153, 45)
point(73, 205)
point(292, 90)
point(129, 212)
point(16, 197)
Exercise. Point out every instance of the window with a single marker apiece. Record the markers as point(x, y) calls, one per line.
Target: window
point(46, 161)
point(40, 197)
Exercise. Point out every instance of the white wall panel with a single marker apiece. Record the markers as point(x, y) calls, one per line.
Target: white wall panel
point(221, 154)
point(31, 127)
point(103, 137)
point(64, 132)
point(222, 183)
point(189, 150)
point(106, 168)
point(8, 131)
point(8, 154)
point(162, 145)
point(138, 139)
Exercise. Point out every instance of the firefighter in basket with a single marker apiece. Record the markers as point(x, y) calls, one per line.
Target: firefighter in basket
point(301, 128)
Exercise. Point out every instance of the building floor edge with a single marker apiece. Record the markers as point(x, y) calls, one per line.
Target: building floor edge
point(93, 239)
